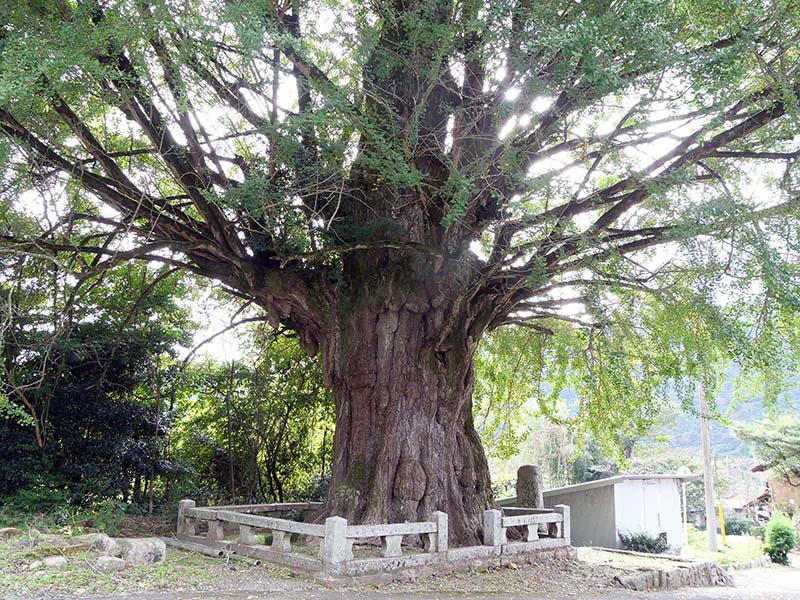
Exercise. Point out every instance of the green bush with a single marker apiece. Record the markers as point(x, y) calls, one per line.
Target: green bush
point(736, 526)
point(644, 542)
point(779, 538)
point(42, 493)
point(757, 531)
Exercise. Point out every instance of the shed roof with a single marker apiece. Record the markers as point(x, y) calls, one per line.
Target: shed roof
point(613, 481)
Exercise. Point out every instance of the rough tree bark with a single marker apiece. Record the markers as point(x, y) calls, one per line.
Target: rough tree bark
point(405, 444)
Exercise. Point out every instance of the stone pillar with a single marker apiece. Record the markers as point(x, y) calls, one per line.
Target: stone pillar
point(563, 509)
point(336, 548)
point(391, 546)
point(185, 524)
point(533, 532)
point(247, 535)
point(493, 532)
point(281, 541)
point(216, 530)
point(438, 542)
point(530, 490)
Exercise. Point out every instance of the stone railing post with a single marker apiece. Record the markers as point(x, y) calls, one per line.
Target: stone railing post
point(493, 532)
point(336, 548)
point(247, 535)
point(437, 542)
point(281, 541)
point(185, 524)
point(216, 530)
point(563, 509)
point(391, 546)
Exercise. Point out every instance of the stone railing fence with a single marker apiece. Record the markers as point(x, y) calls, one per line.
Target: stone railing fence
point(207, 527)
point(497, 522)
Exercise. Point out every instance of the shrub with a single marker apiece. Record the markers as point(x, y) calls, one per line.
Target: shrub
point(757, 531)
point(644, 542)
point(736, 526)
point(779, 538)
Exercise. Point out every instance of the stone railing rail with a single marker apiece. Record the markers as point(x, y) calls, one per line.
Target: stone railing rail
point(273, 508)
point(391, 534)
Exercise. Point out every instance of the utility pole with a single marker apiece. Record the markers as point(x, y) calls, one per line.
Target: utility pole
point(711, 517)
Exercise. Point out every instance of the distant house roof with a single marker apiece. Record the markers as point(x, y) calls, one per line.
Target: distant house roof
point(613, 481)
point(759, 500)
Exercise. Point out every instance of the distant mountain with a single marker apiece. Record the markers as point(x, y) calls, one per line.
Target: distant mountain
point(682, 427)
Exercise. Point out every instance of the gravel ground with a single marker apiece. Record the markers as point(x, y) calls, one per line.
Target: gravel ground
point(193, 577)
point(554, 578)
point(776, 583)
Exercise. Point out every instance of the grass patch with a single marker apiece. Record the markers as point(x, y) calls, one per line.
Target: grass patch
point(737, 548)
point(80, 576)
point(110, 518)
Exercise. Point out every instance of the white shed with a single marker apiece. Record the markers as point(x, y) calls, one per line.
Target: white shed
point(625, 503)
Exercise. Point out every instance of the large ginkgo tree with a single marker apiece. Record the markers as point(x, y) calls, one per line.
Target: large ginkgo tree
point(393, 179)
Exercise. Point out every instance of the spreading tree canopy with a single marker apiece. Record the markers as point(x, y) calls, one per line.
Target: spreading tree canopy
point(392, 179)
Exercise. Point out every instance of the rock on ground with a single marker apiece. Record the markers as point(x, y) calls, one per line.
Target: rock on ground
point(54, 561)
point(106, 545)
point(141, 551)
point(109, 564)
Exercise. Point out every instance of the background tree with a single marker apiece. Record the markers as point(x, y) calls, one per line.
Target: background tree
point(776, 443)
point(85, 386)
point(396, 181)
point(256, 430)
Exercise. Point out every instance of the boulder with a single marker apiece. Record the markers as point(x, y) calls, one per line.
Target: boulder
point(109, 564)
point(106, 546)
point(10, 532)
point(37, 564)
point(141, 551)
point(54, 561)
point(86, 538)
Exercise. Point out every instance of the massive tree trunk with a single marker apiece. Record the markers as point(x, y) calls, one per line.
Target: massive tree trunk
point(405, 444)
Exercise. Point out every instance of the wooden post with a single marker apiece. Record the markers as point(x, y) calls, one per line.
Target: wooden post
point(708, 477)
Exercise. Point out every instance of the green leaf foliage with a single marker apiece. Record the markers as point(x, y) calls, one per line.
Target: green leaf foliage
point(779, 538)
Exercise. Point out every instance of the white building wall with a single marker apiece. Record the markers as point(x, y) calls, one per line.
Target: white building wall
point(650, 505)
